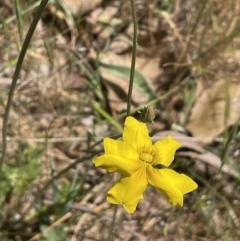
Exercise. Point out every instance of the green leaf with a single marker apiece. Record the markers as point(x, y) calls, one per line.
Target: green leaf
point(140, 83)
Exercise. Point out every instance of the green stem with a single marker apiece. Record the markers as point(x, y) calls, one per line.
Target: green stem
point(19, 20)
point(129, 98)
point(134, 50)
point(22, 54)
point(111, 229)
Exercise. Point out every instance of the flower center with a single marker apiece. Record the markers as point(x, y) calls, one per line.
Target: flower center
point(146, 157)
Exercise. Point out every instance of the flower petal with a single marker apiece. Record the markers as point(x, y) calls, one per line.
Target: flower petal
point(165, 150)
point(128, 191)
point(172, 184)
point(119, 148)
point(118, 157)
point(135, 134)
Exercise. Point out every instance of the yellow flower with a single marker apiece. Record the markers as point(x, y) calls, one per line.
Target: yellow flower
point(137, 160)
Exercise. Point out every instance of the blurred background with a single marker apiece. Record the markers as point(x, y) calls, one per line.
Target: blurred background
point(72, 92)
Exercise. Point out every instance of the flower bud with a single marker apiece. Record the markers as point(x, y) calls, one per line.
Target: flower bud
point(147, 114)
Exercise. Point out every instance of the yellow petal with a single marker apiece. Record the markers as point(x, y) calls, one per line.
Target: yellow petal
point(118, 157)
point(135, 134)
point(119, 148)
point(165, 150)
point(172, 184)
point(128, 191)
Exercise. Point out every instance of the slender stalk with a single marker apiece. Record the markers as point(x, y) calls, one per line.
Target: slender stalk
point(111, 229)
point(194, 28)
point(129, 98)
point(134, 50)
point(19, 20)
point(22, 54)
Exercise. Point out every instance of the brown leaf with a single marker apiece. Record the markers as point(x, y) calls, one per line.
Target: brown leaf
point(208, 114)
point(81, 6)
point(186, 141)
point(193, 144)
point(212, 160)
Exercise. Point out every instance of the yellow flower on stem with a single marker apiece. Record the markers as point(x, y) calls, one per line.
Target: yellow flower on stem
point(137, 160)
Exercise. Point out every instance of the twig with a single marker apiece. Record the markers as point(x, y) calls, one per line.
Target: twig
point(55, 224)
point(81, 208)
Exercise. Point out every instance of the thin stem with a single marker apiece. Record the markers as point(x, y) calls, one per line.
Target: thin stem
point(129, 98)
point(19, 20)
point(134, 50)
point(111, 229)
point(22, 54)
point(194, 27)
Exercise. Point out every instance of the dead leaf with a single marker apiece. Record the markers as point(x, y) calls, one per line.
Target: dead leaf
point(213, 160)
point(186, 141)
point(80, 7)
point(208, 114)
point(5, 81)
point(192, 143)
